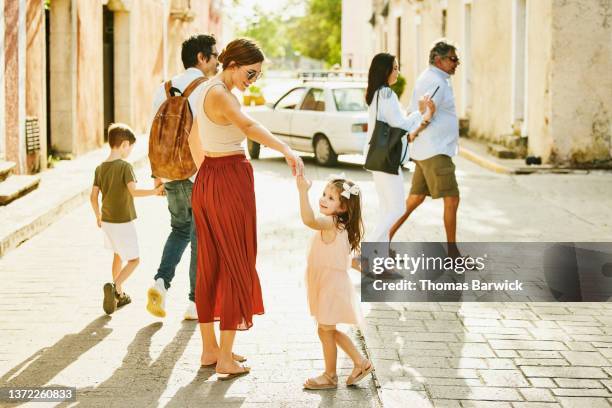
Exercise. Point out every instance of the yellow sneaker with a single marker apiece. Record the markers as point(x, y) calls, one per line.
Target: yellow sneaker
point(156, 299)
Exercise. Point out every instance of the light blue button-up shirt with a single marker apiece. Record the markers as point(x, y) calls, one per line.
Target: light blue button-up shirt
point(442, 134)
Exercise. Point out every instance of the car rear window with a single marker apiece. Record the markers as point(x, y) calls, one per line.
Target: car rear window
point(350, 99)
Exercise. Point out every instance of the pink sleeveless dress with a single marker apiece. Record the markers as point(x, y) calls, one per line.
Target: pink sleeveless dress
point(331, 296)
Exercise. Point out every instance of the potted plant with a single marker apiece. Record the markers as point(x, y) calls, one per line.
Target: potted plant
point(254, 96)
point(399, 86)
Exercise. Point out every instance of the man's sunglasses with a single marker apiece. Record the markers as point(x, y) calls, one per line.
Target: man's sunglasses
point(454, 59)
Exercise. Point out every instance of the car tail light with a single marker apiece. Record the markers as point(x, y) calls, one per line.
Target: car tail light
point(359, 127)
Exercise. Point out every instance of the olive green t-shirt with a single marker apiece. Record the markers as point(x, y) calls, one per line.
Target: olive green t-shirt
point(117, 203)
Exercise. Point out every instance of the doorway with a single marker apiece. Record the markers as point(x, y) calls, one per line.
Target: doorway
point(108, 40)
point(48, 78)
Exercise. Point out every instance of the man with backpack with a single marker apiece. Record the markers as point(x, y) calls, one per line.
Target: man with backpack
point(172, 164)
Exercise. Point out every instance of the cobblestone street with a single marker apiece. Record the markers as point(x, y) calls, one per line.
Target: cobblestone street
point(54, 331)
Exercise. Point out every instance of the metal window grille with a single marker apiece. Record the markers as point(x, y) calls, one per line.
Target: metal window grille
point(32, 135)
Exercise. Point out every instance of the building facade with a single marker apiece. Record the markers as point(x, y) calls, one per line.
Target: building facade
point(357, 35)
point(68, 68)
point(533, 73)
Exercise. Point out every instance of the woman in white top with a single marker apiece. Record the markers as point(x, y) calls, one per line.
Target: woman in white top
point(384, 105)
point(223, 203)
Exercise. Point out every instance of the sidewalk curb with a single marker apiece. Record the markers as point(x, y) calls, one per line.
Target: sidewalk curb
point(484, 162)
point(18, 234)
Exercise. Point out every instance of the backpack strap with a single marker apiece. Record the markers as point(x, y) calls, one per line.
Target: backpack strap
point(193, 85)
point(167, 87)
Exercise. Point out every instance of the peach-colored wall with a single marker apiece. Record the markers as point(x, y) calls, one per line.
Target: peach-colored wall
point(148, 55)
point(178, 31)
point(11, 78)
point(90, 110)
point(76, 65)
point(35, 75)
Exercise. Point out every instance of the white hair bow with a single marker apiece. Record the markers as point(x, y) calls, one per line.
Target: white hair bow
point(348, 190)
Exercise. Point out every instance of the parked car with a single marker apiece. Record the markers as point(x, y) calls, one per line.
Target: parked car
point(324, 118)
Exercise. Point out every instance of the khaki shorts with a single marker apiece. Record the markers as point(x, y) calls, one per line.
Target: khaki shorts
point(435, 177)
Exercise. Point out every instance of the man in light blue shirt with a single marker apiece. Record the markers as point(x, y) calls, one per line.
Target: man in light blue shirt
point(434, 147)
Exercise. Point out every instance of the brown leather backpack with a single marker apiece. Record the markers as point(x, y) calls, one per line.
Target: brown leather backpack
point(169, 152)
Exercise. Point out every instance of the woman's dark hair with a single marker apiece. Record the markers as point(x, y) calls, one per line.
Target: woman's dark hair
point(194, 45)
point(241, 51)
point(378, 75)
point(349, 220)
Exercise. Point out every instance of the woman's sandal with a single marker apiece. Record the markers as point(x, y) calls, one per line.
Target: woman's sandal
point(237, 358)
point(366, 368)
point(229, 376)
point(314, 384)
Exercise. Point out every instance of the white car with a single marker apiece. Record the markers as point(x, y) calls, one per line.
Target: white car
point(324, 118)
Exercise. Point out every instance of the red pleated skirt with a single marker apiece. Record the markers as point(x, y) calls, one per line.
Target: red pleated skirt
point(223, 202)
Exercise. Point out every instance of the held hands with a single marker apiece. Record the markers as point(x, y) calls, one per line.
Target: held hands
point(160, 190)
point(295, 162)
point(303, 184)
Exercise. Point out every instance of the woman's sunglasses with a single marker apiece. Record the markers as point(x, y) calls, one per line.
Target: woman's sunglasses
point(253, 75)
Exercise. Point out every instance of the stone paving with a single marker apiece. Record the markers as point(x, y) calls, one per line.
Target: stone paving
point(426, 354)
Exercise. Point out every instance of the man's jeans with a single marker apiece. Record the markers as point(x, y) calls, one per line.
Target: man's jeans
point(183, 232)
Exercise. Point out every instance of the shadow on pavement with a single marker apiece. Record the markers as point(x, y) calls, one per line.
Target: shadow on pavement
point(42, 366)
point(139, 381)
point(203, 390)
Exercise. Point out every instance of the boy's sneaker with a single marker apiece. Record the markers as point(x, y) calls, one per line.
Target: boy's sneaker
point(123, 299)
point(191, 313)
point(156, 299)
point(110, 302)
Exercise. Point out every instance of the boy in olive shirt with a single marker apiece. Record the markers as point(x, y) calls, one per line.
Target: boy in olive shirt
point(115, 179)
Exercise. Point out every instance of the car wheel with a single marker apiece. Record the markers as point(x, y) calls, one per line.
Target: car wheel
point(253, 148)
point(324, 152)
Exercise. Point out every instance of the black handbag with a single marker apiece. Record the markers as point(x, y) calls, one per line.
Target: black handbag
point(385, 152)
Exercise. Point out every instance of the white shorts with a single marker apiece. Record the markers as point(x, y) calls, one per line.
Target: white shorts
point(121, 239)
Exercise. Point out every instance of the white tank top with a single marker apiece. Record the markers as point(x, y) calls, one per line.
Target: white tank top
point(214, 137)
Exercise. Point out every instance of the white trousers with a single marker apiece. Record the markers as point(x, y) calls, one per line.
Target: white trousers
point(391, 203)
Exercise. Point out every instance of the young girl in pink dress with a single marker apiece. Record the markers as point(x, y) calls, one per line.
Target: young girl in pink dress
point(331, 297)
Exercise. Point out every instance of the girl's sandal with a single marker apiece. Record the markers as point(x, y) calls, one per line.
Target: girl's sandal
point(316, 384)
point(366, 368)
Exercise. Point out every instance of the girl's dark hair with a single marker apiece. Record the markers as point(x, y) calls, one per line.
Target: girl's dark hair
point(378, 75)
point(241, 51)
point(350, 220)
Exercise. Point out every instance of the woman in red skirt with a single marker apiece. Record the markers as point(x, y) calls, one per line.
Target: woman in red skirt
point(223, 201)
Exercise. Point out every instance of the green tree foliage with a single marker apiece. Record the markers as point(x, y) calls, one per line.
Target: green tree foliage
point(269, 31)
point(318, 34)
